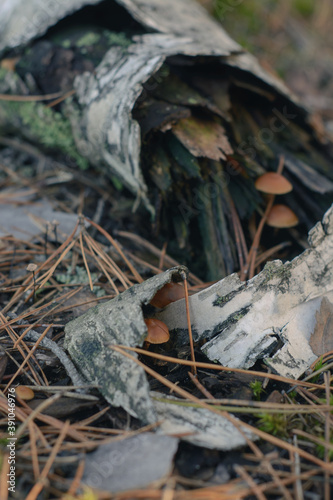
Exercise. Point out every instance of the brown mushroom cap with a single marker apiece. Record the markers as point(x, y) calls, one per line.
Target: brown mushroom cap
point(158, 332)
point(24, 392)
point(273, 183)
point(282, 216)
point(169, 293)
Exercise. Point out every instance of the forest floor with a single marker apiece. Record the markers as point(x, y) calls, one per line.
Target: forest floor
point(50, 279)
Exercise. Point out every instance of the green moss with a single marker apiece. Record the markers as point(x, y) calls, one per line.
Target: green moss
point(79, 277)
point(66, 44)
point(117, 183)
point(44, 126)
point(257, 389)
point(3, 73)
point(304, 7)
point(119, 39)
point(88, 39)
point(223, 299)
point(272, 271)
point(275, 424)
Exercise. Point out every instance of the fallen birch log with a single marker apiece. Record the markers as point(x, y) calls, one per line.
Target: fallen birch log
point(247, 321)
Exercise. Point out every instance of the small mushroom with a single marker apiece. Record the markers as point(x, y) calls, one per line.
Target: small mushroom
point(282, 216)
point(169, 293)
point(24, 392)
point(273, 183)
point(158, 332)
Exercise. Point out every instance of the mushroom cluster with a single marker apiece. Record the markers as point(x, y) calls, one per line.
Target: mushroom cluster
point(158, 332)
point(273, 183)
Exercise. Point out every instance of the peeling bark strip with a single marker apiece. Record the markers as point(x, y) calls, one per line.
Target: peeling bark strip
point(102, 123)
point(246, 321)
point(119, 321)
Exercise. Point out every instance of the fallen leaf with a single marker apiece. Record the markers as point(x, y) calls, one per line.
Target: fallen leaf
point(321, 340)
point(203, 138)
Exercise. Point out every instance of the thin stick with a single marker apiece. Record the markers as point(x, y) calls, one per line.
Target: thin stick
point(193, 367)
point(327, 437)
point(118, 248)
point(239, 235)
point(199, 385)
point(85, 262)
point(163, 252)
point(33, 98)
point(77, 478)
point(34, 450)
point(248, 479)
point(99, 263)
point(38, 487)
point(60, 99)
point(212, 366)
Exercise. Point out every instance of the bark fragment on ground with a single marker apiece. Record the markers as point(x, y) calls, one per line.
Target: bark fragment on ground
point(198, 426)
point(119, 321)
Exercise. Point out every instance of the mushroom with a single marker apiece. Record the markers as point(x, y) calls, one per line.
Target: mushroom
point(169, 293)
point(273, 183)
point(281, 216)
point(158, 332)
point(24, 392)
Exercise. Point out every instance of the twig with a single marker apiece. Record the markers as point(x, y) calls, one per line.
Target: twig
point(199, 385)
point(33, 98)
point(193, 368)
point(327, 436)
point(38, 487)
point(212, 366)
point(248, 479)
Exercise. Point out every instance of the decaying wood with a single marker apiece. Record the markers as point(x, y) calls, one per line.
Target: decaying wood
point(109, 136)
point(247, 321)
point(105, 132)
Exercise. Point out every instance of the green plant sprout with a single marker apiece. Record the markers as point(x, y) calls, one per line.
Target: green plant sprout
point(257, 389)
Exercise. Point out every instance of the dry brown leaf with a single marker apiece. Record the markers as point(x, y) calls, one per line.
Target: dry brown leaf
point(321, 340)
point(203, 138)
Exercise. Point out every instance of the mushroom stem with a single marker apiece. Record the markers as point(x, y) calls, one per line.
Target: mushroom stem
point(251, 259)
